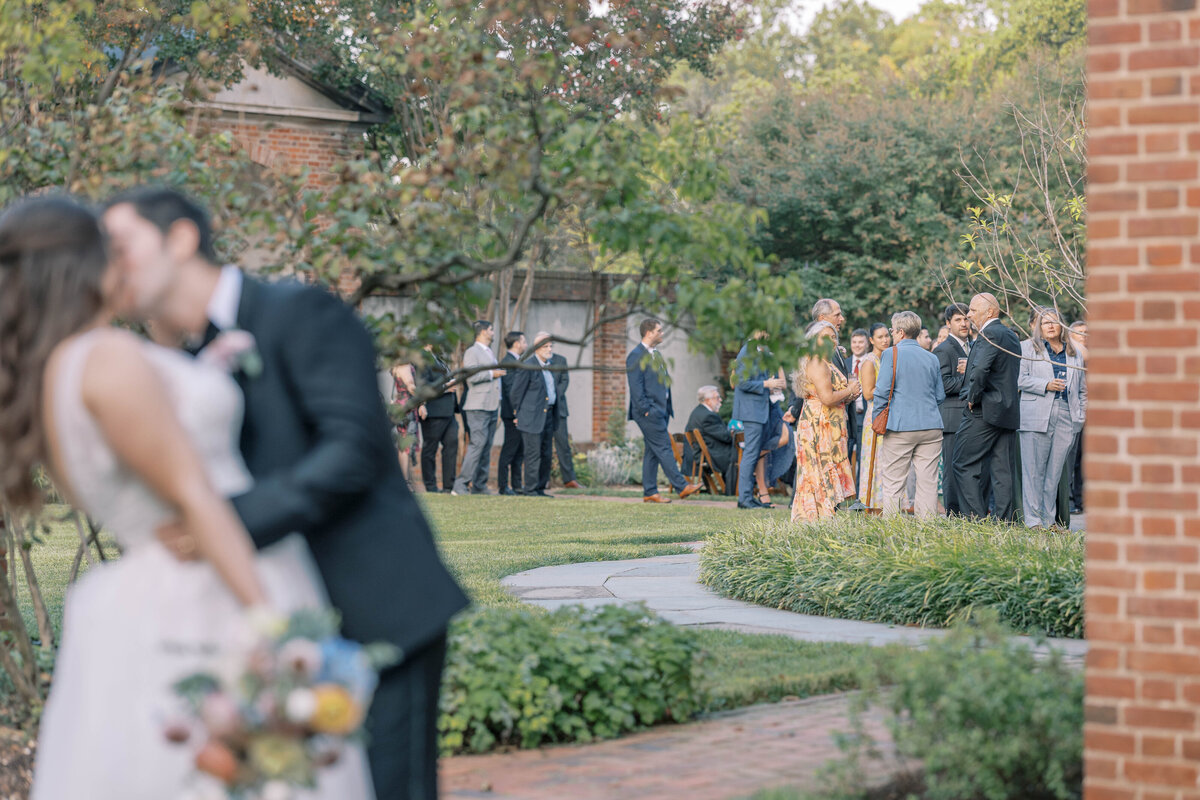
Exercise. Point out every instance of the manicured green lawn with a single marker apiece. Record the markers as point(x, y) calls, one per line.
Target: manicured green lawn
point(484, 539)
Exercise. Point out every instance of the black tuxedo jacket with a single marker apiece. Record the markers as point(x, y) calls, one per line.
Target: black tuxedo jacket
point(530, 400)
point(991, 377)
point(561, 381)
point(317, 440)
point(506, 383)
point(948, 353)
point(717, 437)
point(436, 371)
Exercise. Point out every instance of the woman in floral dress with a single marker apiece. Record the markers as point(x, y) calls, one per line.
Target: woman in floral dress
point(823, 474)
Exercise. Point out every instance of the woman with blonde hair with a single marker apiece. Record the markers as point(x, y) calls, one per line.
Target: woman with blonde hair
point(823, 474)
point(1053, 406)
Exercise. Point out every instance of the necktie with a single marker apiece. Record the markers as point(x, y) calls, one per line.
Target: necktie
point(856, 362)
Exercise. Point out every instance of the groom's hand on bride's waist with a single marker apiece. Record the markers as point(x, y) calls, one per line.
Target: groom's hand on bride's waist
point(178, 541)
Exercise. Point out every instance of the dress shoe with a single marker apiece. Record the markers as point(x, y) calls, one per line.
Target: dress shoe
point(754, 503)
point(484, 490)
point(508, 491)
point(572, 485)
point(689, 490)
point(656, 498)
point(537, 494)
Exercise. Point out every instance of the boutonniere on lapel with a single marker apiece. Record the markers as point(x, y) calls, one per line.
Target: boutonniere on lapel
point(234, 351)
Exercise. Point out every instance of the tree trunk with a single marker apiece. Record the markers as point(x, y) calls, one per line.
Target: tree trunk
point(523, 300)
point(11, 619)
point(81, 552)
point(45, 626)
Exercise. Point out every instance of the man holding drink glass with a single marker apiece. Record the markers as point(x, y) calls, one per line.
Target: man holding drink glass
point(952, 360)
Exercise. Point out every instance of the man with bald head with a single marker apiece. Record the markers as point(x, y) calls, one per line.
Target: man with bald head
point(983, 445)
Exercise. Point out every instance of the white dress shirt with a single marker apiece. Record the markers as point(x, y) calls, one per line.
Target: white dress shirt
point(222, 307)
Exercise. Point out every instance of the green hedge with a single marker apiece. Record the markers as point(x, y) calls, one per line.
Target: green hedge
point(521, 677)
point(904, 571)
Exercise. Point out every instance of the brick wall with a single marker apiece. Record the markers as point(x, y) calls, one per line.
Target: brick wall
point(610, 347)
point(280, 145)
point(1142, 735)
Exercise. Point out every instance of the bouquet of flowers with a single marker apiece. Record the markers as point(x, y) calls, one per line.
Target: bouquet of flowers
point(279, 711)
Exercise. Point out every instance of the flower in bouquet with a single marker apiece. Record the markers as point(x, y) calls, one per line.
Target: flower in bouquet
point(274, 712)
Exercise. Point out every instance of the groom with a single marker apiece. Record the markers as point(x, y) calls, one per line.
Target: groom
point(317, 440)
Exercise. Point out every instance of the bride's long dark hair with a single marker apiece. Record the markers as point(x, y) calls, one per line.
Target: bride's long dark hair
point(52, 266)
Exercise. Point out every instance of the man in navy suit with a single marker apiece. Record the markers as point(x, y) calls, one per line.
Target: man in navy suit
point(650, 407)
point(753, 384)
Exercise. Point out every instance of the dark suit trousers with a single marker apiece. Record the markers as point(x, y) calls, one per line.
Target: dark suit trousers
point(539, 449)
point(949, 476)
point(511, 454)
point(402, 726)
point(562, 449)
point(982, 449)
point(439, 431)
point(658, 453)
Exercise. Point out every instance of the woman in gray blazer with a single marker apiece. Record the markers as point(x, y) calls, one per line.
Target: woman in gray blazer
point(1053, 388)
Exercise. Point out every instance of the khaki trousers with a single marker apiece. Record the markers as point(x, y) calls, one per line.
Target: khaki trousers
point(898, 452)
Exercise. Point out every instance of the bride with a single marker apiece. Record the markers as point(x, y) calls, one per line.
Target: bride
point(136, 435)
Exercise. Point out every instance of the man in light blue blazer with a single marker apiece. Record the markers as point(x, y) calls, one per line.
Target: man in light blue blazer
point(914, 424)
point(753, 384)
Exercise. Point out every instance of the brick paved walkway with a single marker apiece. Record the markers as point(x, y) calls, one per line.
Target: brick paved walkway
point(726, 756)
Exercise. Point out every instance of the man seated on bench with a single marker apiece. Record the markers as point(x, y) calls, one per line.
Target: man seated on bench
point(707, 424)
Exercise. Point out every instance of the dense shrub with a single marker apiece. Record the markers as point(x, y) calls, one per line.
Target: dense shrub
point(616, 465)
point(978, 716)
point(520, 677)
point(989, 719)
point(903, 571)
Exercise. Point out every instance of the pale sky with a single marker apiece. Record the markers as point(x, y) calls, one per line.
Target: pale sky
point(805, 10)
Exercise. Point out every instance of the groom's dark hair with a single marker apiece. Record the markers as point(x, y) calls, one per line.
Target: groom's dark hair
point(164, 207)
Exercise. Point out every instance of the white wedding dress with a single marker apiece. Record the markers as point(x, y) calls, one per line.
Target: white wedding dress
point(134, 626)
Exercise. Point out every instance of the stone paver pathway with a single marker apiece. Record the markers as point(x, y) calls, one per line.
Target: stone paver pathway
point(729, 755)
point(669, 586)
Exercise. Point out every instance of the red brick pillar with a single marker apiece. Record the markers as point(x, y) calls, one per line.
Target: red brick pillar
point(609, 350)
point(1142, 736)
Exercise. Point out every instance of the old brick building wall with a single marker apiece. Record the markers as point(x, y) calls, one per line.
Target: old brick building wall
point(1142, 735)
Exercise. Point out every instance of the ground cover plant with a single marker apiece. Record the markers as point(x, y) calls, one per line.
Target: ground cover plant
point(903, 571)
point(486, 538)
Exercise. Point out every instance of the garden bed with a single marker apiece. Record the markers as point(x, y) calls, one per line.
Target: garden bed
point(903, 571)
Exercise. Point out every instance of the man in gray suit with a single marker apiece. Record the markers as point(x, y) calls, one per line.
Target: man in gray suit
point(562, 441)
point(480, 408)
point(952, 363)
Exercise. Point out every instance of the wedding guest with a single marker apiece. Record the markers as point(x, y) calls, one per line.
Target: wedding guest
point(650, 407)
point(1078, 335)
point(880, 339)
point(439, 428)
point(753, 383)
point(823, 475)
point(562, 438)
point(914, 424)
point(983, 445)
point(707, 423)
point(480, 407)
point(829, 310)
point(924, 341)
point(943, 332)
point(1053, 407)
point(408, 429)
point(952, 362)
point(512, 452)
point(860, 347)
point(534, 398)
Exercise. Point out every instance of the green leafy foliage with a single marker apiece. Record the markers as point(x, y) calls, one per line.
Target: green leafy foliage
point(990, 719)
point(904, 571)
point(574, 674)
